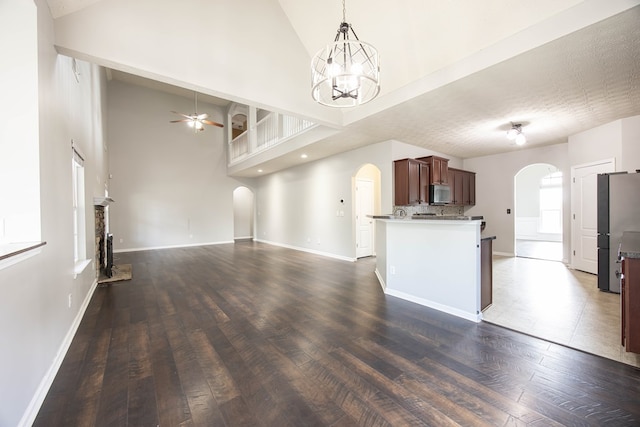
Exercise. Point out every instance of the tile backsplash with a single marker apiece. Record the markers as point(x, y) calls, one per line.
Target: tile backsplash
point(438, 210)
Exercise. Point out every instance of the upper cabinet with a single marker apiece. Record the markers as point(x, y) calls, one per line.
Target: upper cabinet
point(413, 177)
point(438, 169)
point(463, 187)
point(411, 182)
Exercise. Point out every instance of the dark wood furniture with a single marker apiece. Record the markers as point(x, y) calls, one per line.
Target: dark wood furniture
point(411, 182)
point(438, 169)
point(630, 291)
point(486, 272)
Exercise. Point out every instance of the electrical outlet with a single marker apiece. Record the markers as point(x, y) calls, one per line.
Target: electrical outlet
point(121, 240)
point(70, 299)
point(392, 269)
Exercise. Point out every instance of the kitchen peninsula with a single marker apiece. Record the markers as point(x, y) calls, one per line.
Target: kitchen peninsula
point(434, 261)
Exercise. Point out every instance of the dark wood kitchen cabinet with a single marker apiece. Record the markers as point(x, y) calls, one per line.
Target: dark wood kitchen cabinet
point(486, 272)
point(463, 187)
point(630, 290)
point(411, 182)
point(438, 169)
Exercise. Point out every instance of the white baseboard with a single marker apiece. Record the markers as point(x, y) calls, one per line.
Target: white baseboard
point(474, 317)
point(32, 410)
point(171, 246)
point(504, 254)
point(311, 251)
point(383, 285)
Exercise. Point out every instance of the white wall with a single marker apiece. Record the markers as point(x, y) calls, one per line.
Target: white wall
point(170, 185)
point(495, 190)
point(35, 320)
point(630, 144)
point(599, 143)
point(201, 44)
point(297, 207)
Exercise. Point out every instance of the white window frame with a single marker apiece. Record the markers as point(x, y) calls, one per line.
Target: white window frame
point(79, 212)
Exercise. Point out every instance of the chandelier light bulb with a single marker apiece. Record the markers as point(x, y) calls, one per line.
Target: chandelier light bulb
point(521, 139)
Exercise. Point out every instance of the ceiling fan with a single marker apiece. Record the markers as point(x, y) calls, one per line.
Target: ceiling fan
point(195, 120)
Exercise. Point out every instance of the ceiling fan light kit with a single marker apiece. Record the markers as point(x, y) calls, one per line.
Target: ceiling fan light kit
point(516, 134)
point(195, 121)
point(346, 73)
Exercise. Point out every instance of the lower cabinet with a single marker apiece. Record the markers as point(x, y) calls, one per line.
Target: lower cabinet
point(630, 291)
point(486, 273)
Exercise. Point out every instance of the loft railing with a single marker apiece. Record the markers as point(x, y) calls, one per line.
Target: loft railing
point(267, 131)
point(271, 130)
point(239, 146)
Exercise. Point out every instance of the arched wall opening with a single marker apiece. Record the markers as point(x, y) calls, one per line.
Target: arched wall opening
point(367, 196)
point(538, 212)
point(243, 214)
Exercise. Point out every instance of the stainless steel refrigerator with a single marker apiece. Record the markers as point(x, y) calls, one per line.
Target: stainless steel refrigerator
point(618, 211)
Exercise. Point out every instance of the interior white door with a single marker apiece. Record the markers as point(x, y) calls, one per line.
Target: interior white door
point(364, 224)
point(584, 215)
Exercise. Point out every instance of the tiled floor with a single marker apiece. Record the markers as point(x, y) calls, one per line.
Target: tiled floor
point(548, 300)
point(539, 249)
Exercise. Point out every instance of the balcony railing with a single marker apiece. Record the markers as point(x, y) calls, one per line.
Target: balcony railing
point(271, 130)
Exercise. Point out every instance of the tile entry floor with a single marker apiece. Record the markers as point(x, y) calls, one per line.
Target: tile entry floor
point(550, 301)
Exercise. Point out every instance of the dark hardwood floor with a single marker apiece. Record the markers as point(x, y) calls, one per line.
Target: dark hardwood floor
point(249, 334)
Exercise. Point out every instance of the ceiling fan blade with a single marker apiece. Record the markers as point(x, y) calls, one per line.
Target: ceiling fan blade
point(181, 121)
point(209, 122)
point(183, 115)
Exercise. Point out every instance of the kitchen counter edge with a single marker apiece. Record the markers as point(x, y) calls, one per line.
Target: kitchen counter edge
point(630, 246)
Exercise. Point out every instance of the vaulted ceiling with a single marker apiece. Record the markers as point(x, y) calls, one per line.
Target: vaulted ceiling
point(454, 74)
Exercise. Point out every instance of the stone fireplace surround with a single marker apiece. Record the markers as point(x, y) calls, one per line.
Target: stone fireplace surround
point(101, 234)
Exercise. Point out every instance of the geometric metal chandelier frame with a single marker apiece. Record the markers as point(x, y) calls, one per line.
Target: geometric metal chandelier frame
point(346, 73)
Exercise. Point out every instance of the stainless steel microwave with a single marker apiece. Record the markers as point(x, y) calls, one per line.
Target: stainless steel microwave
point(439, 194)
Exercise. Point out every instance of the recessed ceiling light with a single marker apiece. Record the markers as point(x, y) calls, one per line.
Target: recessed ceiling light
point(260, 170)
point(304, 156)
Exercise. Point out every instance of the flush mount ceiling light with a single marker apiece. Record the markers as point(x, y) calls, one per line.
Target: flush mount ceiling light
point(515, 133)
point(346, 72)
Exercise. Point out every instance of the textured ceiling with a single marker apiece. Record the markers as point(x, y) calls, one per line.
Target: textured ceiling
point(571, 84)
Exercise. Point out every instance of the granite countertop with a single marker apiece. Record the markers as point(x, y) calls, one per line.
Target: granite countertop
point(430, 217)
point(630, 247)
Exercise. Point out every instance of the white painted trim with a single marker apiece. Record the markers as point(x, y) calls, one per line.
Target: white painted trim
point(7, 262)
point(79, 267)
point(504, 254)
point(32, 410)
point(383, 285)
point(311, 251)
point(436, 306)
point(150, 248)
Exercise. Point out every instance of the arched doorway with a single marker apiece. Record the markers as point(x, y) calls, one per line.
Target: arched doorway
point(367, 197)
point(243, 219)
point(538, 212)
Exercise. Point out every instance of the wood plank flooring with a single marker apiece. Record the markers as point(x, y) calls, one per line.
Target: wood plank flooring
point(249, 334)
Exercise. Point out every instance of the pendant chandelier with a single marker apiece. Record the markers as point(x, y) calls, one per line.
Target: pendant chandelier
point(346, 72)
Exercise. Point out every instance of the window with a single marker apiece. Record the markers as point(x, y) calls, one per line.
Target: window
point(79, 228)
point(19, 109)
point(551, 203)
